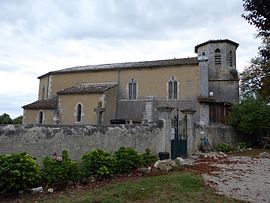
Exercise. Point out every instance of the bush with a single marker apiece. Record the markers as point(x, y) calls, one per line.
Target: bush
point(127, 159)
point(243, 145)
point(223, 147)
point(149, 158)
point(18, 171)
point(59, 171)
point(98, 163)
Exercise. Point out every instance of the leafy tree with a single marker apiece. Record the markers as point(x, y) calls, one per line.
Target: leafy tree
point(255, 79)
point(18, 120)
point(5, 119)
point(257, 13)
point(251, 116)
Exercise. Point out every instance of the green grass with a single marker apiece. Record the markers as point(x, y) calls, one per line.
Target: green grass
point(175, 187)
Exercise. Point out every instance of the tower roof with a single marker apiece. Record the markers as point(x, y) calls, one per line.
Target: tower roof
point(215, 41)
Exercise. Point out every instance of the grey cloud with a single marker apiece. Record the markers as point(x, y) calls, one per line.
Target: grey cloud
point(112, 19)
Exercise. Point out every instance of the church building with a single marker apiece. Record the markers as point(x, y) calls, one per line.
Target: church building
point(118, 92)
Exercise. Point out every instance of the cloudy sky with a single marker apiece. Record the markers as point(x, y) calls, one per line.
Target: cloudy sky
point(38, 36)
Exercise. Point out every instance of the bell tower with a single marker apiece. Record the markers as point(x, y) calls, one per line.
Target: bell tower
point(223, 81)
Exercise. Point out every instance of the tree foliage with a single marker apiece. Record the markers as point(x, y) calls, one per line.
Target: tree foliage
point(255, 79)
point(5, 119)
point(257, 14)
point(251, 116)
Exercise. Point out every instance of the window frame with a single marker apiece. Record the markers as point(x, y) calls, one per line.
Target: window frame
point(173, 88)
point(218, 60)
point(132, 89)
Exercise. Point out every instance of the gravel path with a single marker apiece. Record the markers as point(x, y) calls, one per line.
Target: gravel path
point(245, 178)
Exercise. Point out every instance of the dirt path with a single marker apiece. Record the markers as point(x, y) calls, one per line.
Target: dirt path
point(240, 177)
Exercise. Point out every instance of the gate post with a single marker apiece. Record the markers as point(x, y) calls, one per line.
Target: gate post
point(164, 114)
point(190, 129)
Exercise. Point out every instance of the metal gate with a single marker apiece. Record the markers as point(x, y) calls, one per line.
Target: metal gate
point(179, 143)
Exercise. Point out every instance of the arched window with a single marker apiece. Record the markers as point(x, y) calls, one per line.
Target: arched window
point(172, 88)
point(217, 57)
point(132, 89)
point(79, 113)
point(40, 117)
point(231, 58)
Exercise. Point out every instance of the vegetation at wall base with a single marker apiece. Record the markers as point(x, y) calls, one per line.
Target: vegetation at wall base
point(127, 159)
point(149, 158)
point(58, 171)
point(223, 147)
point(98, 163)
point(18, 171)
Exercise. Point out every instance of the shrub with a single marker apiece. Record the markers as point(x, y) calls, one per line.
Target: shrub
point(98, 163)
point(243, 145)
point(224, 147)
point(148, 157)
point(59, 171)
point(127, 159)
point(18, 171)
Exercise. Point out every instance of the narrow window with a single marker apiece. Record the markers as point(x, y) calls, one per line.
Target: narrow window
point(79, 113)
point(217, 57)
point(132, 89)
point(172, 88)
point(40, 117)
point(43, 93)
point(230, 58)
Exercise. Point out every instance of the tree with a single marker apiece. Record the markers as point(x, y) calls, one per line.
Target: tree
point(255, 79)
point(257, 13)
point(251, 116)
point(5, 119)
point(18, 120)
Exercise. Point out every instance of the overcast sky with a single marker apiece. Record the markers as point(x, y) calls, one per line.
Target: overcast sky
point(38, 36)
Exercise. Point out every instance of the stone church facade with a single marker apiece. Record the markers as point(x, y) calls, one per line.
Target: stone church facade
point(87, 95)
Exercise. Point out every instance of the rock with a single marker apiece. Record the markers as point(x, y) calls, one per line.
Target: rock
point(165, 165)
point(50, 190)
point(264, 155)
point(145, 170)
point(179, 161)
point(37, 190)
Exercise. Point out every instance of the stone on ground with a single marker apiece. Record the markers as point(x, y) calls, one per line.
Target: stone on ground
point(165, 165)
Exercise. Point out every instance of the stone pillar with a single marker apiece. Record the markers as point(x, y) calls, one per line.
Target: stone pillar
point(149, 109)
point(99, 112)
point(204, 89)
point(190, 130)
point(164, 114)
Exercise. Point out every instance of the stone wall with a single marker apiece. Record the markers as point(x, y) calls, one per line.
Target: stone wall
point(217, 134)
point(45, 140)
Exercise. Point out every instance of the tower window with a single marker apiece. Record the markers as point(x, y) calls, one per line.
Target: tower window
point(172, 88)
point(79, 113)
point(217, 57)
point(43, 93)
point(132, 89)
point(230, 58)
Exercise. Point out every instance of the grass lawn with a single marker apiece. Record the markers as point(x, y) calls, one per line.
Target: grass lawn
point(174, 187)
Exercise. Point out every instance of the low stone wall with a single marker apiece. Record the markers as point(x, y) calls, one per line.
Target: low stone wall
point(217, 134)
point(45, 140)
